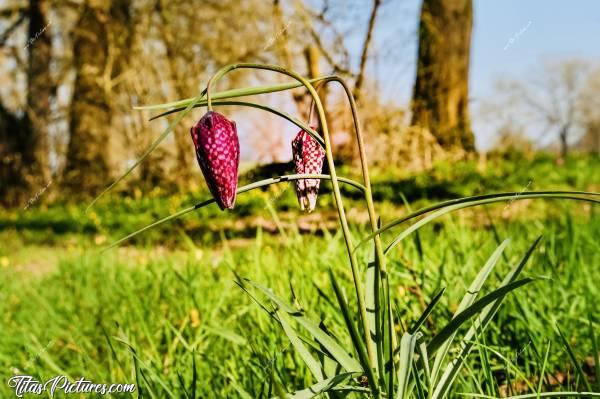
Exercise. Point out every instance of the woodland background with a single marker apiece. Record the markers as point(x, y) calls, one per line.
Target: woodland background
point(71, 71)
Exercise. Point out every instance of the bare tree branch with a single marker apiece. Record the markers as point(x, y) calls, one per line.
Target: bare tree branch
point(6, 34)
point(366, 44)
point(338, 41)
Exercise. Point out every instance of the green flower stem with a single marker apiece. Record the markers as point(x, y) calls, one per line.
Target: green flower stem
point(336, 191)
point(380, 267)
point(240, 190)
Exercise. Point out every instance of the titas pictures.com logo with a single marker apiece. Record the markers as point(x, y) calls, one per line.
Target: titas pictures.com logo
point(26, 384)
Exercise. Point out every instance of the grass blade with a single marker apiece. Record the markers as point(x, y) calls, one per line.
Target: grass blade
point(479, 200)
point(310, 361)
point(427, 311)
point(407, 352)
point(543, 370)
point(540, 395)
point(486, 316)
point(573, 359)
point(352, 330)
point(372, 307)
point(467, 300)
point(595, 352)
point(453, 208)
point(244, 91)
point(243, 189)
point(451, 328)
point(322, 386)
point(338, 353)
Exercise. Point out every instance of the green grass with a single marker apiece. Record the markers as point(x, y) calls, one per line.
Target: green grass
point(168, 313)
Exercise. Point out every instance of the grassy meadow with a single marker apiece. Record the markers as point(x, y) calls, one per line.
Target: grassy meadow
point(166, 310)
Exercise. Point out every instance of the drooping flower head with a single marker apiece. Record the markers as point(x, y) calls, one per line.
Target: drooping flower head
point(308, 159)
point(218, 153)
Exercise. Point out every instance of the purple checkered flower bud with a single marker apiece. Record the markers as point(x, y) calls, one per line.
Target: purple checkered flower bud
point(308, 159)
point(218, 153)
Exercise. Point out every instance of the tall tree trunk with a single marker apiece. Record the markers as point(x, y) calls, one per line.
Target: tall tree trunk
point(440, 98)
point(88, 168)
point(39, 90)
point(24, 148)
point(13, 182)
point(564, 144)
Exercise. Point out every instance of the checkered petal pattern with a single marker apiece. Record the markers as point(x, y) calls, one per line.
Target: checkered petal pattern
point(308, 159)
point(218, 153)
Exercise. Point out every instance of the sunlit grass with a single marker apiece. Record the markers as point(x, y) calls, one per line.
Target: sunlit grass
point(171, 307)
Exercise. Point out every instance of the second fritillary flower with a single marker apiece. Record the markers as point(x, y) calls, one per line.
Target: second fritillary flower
point(308, 159)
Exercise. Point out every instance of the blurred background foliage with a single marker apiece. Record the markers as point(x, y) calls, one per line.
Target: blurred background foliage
point(72, 70)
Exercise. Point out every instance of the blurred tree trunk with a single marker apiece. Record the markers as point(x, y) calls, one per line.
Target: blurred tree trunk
point(24, 150)
point(39, 91)
point(87, 166)
point(564, 144)
point(440, 98)
point(13, 182)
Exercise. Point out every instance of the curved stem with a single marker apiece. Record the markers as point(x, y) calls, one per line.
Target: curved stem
point(336, 190)
point(363, 162)
point(380, 271)
point(214, 78)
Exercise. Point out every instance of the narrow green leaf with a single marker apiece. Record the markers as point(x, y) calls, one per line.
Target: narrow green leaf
point(451, 328)
point(359, 346)
point(407, 352)
point(310, 361)
point(573, 359)
point(227, 334)
point(453, 208)
point(447, 379)
point(427, 311)
point(467, 300)
point(478, 200)
point(371, 306)
point(243, 189)
point(263, 107)
point(543, 369)
point(242, 92)
point(540, 395)
point(322, 386)
point(339, 354)
point(595, 352)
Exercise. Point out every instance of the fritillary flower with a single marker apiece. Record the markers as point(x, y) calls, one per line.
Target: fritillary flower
point(308, 159)
point(218, 153)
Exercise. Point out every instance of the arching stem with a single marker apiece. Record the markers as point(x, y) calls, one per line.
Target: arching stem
point(380, 266)
point(336, 193)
